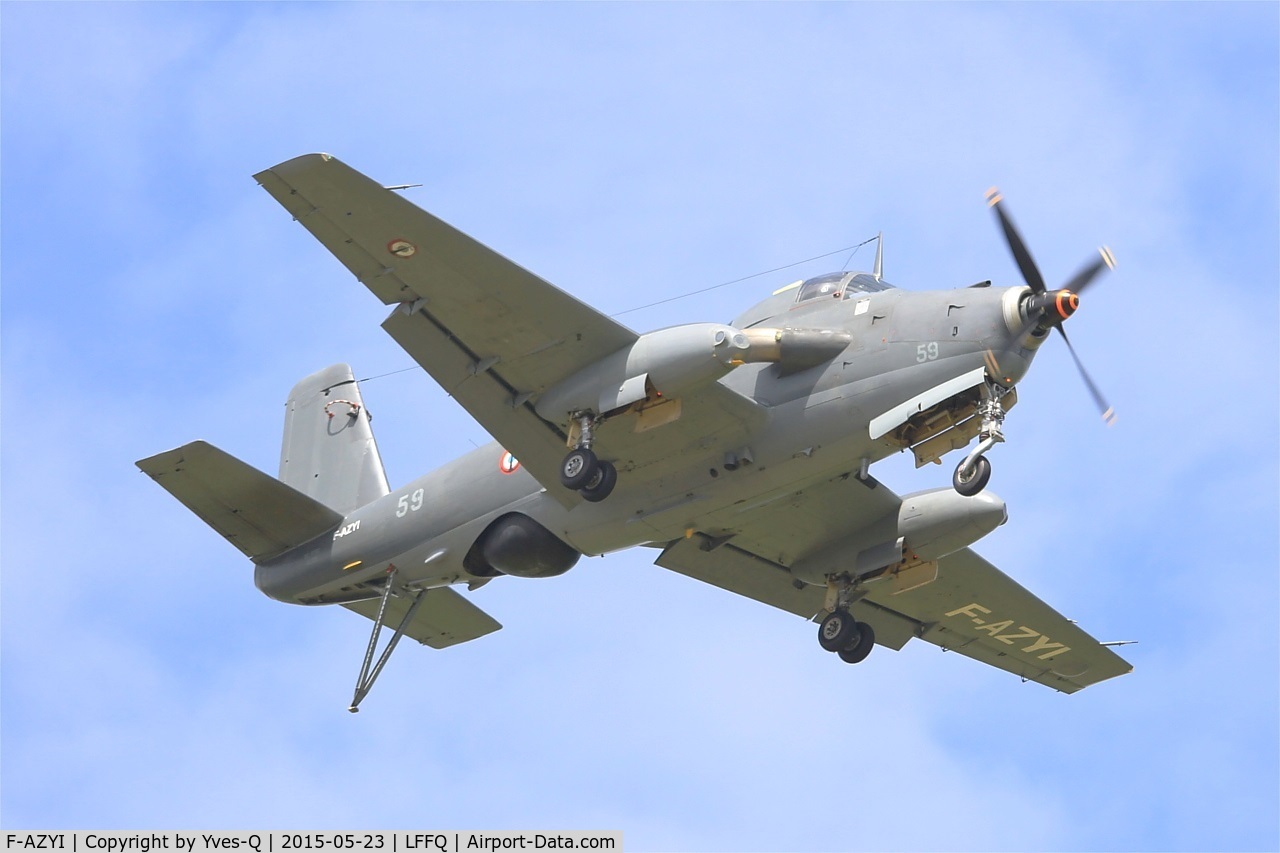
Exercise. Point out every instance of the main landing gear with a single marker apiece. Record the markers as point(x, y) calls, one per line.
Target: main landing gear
point(581, 471)
point(850, 639)
point(839, 632)
point(974, 470)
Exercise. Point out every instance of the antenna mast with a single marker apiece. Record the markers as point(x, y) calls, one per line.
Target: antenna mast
point(879, 255)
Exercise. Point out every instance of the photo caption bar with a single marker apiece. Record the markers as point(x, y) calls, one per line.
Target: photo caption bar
point(178, 841)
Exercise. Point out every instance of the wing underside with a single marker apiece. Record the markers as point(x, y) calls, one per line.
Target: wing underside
point(967, 605)
point(491, 333)
point(494, 335)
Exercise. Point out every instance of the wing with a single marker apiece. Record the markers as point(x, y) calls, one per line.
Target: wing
point(968, 606)
point(491, 333)
point(977, 610)
point(444, 619)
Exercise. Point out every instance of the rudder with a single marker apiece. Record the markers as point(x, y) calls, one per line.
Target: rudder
point(329, 452)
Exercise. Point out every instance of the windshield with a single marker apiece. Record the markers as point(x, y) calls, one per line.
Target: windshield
point(836, 283)
point(823, 285)
point(863, 283)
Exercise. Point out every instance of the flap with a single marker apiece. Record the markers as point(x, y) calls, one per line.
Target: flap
point(444, 619)
point(254, 511)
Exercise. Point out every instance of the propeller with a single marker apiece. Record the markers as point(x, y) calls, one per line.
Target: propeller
point(1051, 307)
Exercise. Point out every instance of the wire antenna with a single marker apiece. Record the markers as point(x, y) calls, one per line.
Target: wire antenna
point(746, 278)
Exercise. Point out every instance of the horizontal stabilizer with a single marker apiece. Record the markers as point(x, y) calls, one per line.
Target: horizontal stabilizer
point(444, 619)
point(253, 511)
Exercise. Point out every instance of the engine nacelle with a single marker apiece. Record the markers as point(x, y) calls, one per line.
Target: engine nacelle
point(515, 544)
point(674, 361)
point(941, 521)
point(668, 362)
point(929, 524)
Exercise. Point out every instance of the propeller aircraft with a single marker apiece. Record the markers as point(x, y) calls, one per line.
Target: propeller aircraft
point(742, 451)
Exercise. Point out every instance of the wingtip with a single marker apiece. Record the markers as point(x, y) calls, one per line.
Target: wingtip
point(299, 161)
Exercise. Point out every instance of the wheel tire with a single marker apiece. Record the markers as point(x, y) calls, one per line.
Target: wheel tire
point(836, 630)
point(577, 469)
point(601, 485)
point(975, 482)
point(858, 652)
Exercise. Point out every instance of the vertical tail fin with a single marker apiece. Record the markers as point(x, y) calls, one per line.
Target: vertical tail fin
point(329, 453)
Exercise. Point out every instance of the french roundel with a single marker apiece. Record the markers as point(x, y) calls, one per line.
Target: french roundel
point(508, 464)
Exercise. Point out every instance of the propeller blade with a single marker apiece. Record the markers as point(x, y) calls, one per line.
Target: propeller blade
point(1090, 271)
point(1030, 272)
point(1108, 413)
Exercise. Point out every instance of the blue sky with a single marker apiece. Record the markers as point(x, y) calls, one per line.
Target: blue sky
point(152, 294)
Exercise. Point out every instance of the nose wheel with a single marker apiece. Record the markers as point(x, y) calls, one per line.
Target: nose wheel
point(972, 480)
point(974, 471)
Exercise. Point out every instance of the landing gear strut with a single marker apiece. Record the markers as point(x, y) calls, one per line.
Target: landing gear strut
point(839, 632)
point(974, 470)
point(581, 471)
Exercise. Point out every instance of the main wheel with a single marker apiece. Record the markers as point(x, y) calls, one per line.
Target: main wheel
point(837, 630)
point(858, 650)
point(577, 469)
point(601, 485)
point(977, 479)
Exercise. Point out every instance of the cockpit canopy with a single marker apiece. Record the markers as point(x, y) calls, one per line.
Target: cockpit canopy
point(834, 283)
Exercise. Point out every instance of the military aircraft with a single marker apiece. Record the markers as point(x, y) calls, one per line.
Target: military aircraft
point(743, 450)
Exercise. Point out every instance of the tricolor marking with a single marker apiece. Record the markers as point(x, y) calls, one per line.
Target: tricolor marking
point(402, 248)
